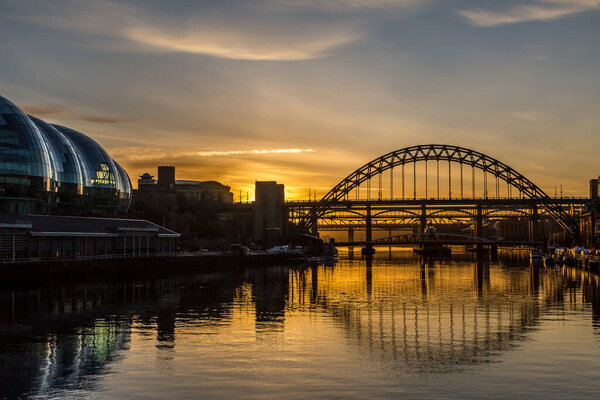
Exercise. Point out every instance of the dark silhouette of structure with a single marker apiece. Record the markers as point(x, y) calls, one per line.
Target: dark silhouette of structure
point(497, 193)
point(269, 214)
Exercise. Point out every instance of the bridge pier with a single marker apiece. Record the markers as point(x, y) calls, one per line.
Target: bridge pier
point(533, 224)
point(494, 250)
point(368, 233)
point(350, 240)
point(423, 219)
point(479, 226)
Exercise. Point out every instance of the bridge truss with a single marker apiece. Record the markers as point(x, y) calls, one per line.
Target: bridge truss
point(354, 204)
point(471, 215)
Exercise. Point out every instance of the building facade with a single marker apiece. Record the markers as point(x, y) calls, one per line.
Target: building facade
point(588, 225)
point(269, 214)
point(31, 237)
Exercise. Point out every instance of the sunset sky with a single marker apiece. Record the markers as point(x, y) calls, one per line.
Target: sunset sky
point(305, 91)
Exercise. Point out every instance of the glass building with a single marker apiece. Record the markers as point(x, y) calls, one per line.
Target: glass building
point(52, 169)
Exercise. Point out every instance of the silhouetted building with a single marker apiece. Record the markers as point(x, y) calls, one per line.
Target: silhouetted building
point(166, 185)
point(588, 223)
point(50, 236)
point(269, 213)
point(594, 188)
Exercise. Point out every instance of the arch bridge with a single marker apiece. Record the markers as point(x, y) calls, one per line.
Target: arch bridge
point(471, 191)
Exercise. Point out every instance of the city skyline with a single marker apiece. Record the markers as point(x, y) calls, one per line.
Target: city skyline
point(304, 92)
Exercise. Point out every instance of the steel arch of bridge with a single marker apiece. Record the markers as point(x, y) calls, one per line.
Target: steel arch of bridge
point(441, 152)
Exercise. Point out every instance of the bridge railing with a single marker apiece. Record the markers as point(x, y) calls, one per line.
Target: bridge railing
point(481, 198)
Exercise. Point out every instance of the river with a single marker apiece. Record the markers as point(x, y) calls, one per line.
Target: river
point(396, 327)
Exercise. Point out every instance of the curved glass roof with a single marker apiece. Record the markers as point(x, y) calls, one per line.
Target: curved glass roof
point(23, 151)
point(98, 168)
point(46, 167)
point(124, 188)
point(65, 162)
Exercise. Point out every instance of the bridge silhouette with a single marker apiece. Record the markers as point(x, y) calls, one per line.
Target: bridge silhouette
point(490, 191)
point(423, 239)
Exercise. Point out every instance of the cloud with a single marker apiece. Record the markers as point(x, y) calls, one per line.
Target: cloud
point(356, 5)
point(137, 154)
point(98, 119)
point(237, 45)
point(43, 111)
point(533, 10)
point(228, 29)
point(237, 168)
point(527, 115)
point(537, 167)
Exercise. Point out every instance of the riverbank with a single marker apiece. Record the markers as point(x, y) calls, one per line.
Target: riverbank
point(12, 274)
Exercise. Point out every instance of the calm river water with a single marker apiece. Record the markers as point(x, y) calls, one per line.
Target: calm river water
point(399, 328)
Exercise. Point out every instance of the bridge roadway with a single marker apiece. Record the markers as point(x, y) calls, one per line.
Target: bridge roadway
point(394, 214)
point(465, 201)
point(390, 214)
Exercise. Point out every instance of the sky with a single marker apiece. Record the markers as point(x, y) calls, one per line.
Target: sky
point(306, 91)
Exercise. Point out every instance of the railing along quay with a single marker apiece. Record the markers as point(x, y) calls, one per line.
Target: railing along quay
point(31, 260)
point(250, 257)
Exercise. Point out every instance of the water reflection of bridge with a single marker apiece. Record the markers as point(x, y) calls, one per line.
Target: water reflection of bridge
point(434, 316)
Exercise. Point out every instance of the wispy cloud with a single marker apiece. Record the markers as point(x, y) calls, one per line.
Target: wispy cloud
point(531, 10)
point(252, 32)
point(238, 45)
point(137, 154)
point(527, 115)
point(42, 111)
point(250, 152)
point(353, 5)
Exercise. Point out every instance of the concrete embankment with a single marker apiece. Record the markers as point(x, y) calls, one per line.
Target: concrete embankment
point(139, 266)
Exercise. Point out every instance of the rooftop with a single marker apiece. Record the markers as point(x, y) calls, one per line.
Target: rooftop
point(54, 225)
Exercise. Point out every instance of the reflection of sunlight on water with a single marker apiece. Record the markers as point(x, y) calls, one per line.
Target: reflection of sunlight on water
point(396, 325)
point(421, 317)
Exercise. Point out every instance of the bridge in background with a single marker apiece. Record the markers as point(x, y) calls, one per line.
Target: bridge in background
point(452, 188)
point(474, 190)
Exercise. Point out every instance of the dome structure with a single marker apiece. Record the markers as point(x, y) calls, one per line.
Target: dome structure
point(25, 168)
point(103, 183)
point(67, 179)
point(47, 168)
point(124, 188)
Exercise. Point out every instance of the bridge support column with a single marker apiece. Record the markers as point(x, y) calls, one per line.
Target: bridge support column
point(494, 249)
point(368, 233)
point(390, 248)
point(533, 224)
point(423, 219)
point(314, 230)
point(479, 226)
